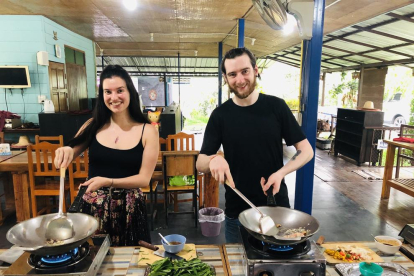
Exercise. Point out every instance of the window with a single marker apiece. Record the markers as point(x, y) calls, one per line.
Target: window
point(74, 56)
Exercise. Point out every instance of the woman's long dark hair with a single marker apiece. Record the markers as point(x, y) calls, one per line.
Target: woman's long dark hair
point(101, 113)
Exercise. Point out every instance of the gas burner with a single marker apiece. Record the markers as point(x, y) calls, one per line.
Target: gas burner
point(262, 258)
point(55, 263)
point(274, 250)
point(85, 260)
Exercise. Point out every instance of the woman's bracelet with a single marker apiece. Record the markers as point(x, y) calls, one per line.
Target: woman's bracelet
point(112, 183)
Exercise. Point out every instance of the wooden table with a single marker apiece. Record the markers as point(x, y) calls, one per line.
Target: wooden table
point(11, 200)
point(401, 184)
point(18, 166)
point(124, 260)
point(234, 253)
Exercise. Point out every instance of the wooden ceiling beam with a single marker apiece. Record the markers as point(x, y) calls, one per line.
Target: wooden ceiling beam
point(378, 64)
point(339, 57)
point(352, 53)
point(393, 20)
point(370, 30)
point(401, 17)
point(375, 48)
point(285, 62)
point(336, 64)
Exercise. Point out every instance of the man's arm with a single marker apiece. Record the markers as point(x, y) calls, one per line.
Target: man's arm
point(304, 153)
point(203, 163)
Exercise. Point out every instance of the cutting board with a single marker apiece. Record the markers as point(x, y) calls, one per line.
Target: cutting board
point(146, 256)
point(332, 260)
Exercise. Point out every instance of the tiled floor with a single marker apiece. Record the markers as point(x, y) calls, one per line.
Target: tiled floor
point(340, 217)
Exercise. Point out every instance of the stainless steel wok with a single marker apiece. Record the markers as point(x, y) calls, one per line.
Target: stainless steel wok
point(30, 234)
point(288, 218)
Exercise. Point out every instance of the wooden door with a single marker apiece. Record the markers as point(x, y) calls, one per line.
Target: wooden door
point(77, 90)
point(58, 89)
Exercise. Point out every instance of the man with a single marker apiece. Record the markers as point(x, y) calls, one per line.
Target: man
point(250, 126)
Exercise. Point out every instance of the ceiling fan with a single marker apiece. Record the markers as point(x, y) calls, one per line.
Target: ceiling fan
point(274, 13)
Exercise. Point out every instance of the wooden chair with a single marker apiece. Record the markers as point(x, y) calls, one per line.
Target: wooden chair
point(151, 191)
point(179, 163)
point(185, 142)
point(1, 137)
point(408, 132)
point(39, 171)
point(52, 139)
point(79, 173)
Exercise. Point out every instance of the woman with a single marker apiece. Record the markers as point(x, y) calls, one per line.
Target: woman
point(123, 152)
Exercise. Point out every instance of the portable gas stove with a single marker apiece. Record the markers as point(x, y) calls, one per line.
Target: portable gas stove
point(264, 259)
point(407, 233)
point(83, 260)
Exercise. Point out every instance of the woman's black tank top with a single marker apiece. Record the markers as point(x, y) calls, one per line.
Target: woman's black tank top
point(114, 163)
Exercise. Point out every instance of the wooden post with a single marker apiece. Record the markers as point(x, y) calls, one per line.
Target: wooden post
point(211, 196)
point(389, 163)
point(21, 194)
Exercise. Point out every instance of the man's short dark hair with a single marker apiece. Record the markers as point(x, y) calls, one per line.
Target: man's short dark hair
point(236, 52)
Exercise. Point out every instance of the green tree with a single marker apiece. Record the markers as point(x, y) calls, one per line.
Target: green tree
point(347, 91)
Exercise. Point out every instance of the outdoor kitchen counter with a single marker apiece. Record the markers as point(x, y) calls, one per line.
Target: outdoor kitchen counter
point(124, 260)
point(234, 253)
point(227, 260)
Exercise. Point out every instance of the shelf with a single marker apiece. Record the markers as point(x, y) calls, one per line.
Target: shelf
point(348, 143)
point(350, 132)
point(350, 121)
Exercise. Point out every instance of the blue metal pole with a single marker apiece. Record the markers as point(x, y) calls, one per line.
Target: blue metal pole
point(311, 60)
point(220, 76)
point(240, 33)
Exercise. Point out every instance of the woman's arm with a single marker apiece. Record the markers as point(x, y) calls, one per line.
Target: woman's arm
point(65, 155)
point(150, 141)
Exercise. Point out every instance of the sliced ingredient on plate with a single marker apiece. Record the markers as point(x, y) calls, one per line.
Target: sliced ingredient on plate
point(167, 267)
point(349, 253)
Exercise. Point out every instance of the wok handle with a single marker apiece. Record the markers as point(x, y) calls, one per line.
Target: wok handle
point(74, 208)
point(244, 198)
point(148, 245)
point(62, 190)
point(271, 200)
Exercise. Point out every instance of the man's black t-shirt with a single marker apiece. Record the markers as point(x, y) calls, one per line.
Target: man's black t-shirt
point(252, 143)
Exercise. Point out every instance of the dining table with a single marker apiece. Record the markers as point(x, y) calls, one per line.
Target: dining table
point(7, 187)
point(17, 165)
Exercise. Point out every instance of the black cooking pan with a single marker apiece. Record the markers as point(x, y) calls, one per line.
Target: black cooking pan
point(30, 234)
point(287, 218)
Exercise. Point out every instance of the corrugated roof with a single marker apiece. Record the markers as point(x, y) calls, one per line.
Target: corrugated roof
point(384, 40)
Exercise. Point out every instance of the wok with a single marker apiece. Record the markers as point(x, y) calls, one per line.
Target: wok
point(29, 235)
point(288, 218)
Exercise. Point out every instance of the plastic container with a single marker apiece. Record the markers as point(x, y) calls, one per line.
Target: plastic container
point(210, 219)
point(371, 269)
point(175, 248)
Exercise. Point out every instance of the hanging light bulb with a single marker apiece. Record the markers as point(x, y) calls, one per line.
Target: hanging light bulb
point(290, 24)
point(253, 40)
point(130, 4)
point(151, 37)
point(195, 53)
point(355, 75)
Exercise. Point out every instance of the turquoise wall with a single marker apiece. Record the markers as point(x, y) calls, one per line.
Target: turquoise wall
point(21, 37)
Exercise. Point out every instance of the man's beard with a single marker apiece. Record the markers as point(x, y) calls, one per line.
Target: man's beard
point(252, 87)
